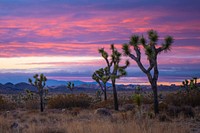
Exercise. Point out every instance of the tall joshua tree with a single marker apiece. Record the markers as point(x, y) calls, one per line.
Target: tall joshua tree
point(114, 70)
point(39, 83)
point(101, 76)
point(152, 50)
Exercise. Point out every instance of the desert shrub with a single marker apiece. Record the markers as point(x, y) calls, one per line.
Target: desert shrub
point(32, 104)
point(163, 106)
point(148, 98)
point(70, 101)
point(103, 104)
point(6, 104)
point(183, 98)
point(188, 111)
point(128, 107)
point(125, 100)
point(173, 111)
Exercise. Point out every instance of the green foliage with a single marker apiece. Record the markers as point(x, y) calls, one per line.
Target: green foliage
point(28, 95)
point(126, 49)
point(137, 98)
point(134, 40)
point(70, 101)
point(153, 36)
point(167, 44)
point(103, 53)
point(113, 70)
point(101, 75)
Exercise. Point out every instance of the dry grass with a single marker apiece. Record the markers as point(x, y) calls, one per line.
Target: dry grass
point(79, 116)
point(181, 98)
point(57, 121)
point(70, 101)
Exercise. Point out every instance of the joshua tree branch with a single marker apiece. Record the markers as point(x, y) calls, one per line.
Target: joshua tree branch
point(138, 53)
point(160, 49)
point(132, 56)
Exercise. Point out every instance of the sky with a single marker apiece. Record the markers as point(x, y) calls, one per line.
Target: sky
point(61, 38)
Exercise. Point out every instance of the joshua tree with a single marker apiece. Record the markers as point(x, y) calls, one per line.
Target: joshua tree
point(70, 86)
point(190, 84)
point(152, 51)
point(101, 76)
point(29, 95)
point(114, 70)
point(99, 94)
point(39, 83)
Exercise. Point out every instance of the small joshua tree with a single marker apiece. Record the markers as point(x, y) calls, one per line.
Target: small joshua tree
point(39, 83)
point(152, 50)
point(101, 76)
point(190, 84)
point(29, 95)
point(99, 93)
point(137, 97)
point(70, 86)
point(114, 70)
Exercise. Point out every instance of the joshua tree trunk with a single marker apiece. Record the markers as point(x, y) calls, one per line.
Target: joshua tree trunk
point(155, 94)
point(153, 81)
point(41, 102)
point(115, 95)
point(105, 95)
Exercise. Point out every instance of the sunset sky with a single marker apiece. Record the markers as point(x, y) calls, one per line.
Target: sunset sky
point(61, 38)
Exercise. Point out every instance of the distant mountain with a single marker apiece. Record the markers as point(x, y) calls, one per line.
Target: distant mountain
point(51, 82)
point(80, 86)
point(24, 86)
point(15, 88)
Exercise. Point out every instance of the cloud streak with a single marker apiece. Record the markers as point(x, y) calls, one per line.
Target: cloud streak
point(78, 28)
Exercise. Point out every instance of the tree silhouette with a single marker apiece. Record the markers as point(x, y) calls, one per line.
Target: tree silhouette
point(101, 76)
point(114, 70)
point(39, 83)
point(70, 86)
point(152, 51)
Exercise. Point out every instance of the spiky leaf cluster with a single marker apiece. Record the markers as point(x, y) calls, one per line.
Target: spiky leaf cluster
point(150, 47)
point(40, 81)
point(113, 69)
point(101, 75)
